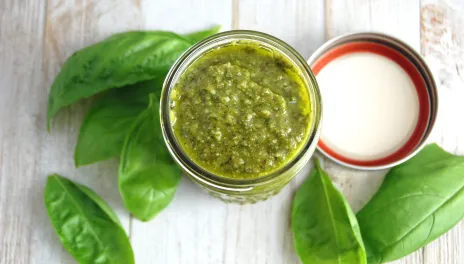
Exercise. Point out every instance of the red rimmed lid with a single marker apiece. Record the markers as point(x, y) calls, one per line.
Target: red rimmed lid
point(420, 129)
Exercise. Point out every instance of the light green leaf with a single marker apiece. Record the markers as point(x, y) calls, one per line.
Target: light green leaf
point(108, 121)
point(148, 177)
point(418, 201)
point(85, 224)
point(324, 227)
point(123, 59)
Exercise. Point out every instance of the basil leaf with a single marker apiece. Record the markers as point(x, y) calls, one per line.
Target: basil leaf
point(418, 201)
point(325, 229)
point(108, 121)
point(100, 202)
point(148, 177)
point(120, 60)
point(106, 124)
point(200, 35)
point(86, 225)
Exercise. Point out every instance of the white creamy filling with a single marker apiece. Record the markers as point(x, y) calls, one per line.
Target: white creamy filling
point(370, 105)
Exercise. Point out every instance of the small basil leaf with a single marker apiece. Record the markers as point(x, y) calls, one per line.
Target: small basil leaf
point(120, 60)
point(85, 224)
point(200, 35)
point(417, 202)
point(325, 229)
point(108, 121)
point(148, 177)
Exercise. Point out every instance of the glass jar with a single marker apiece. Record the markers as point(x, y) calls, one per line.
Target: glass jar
point(241, 190)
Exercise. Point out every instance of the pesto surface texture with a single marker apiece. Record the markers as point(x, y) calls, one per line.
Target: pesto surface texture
point(241, 111)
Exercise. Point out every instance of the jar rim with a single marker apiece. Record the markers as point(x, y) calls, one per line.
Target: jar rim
point(195, 52)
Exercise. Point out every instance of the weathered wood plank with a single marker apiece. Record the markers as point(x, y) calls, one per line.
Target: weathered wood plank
point(442, 44)
point(187, 15)
point(394, 17)
point(21, 114)
point(298, 23)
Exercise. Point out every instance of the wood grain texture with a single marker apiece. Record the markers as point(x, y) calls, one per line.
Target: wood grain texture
point(442, 45)
point(38, 35)
point(21, 113)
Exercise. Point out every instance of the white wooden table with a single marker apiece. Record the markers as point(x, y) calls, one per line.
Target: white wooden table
point(36, 36)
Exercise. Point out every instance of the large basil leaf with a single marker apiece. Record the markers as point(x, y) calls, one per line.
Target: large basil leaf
point(120, 60)
point(86, 225)
point(108, 121)
point(325, 229)
point(99, 201)
point(148, 177)
point(417, 202)
point(200, 35)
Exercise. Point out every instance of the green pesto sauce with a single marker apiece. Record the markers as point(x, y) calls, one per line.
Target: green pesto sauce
point(241, 111)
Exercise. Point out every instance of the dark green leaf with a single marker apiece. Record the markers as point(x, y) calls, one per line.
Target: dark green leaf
point(325, 229)
point(108, 121)
point(200, 35)
point(117, 61)
point(86, 225)
point(148, 177)
point(418, 201)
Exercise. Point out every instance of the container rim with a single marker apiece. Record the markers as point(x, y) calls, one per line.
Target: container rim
point(412, 56)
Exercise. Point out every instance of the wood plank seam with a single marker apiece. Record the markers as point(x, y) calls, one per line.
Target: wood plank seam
point(235, 14)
